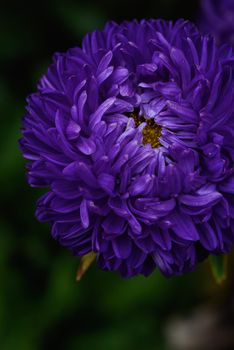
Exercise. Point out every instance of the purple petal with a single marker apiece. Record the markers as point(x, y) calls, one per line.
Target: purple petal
point(73, 130)
point(114, 224)
point(84, 214)
point(207, 237)
point(107, 182)
point(122, 246)
point(183, 226)
point(86, 146)
point(205, 200)
point(79, 170)
point(227, 186)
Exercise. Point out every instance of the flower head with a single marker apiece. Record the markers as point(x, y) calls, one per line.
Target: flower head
point(217, 18)
point(132, 135)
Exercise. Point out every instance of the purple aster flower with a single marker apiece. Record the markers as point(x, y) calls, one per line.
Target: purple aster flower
point(217, 18)
point(132, 135)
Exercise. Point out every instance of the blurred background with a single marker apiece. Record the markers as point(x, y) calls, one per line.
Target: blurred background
point(41, 304)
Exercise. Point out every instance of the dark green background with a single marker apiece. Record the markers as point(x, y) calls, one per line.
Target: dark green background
point(41, 305)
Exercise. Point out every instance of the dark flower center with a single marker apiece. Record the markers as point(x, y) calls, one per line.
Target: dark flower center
point(151, 132)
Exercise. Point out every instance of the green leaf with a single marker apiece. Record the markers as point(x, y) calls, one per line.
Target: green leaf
point(85, 263)
point(218, 265)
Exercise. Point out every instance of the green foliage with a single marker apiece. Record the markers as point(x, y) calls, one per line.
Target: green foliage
point(219, 267)
point(79, 19)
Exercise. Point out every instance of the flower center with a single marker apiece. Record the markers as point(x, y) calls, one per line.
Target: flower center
point(151, 132)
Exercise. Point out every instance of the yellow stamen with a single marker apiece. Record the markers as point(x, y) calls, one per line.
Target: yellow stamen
point(151, 132)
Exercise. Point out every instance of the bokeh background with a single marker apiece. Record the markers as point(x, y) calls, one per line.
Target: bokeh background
point(41, 304)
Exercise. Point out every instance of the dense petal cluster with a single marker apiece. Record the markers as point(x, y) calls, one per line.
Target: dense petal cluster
point(217, 18)
point(132, 134)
